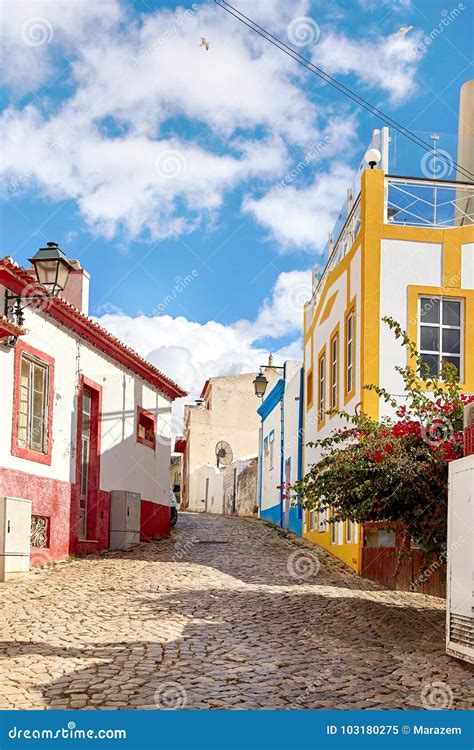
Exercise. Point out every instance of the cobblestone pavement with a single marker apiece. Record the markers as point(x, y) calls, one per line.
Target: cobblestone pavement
point(225, 614)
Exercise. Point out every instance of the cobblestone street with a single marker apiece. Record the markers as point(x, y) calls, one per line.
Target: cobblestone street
point(226, 614)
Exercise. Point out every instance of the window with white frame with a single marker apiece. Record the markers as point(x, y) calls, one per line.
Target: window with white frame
point(322, 388)
point(323, 517)
point(313, 520)
point(350, 322)
point(440, 333)
point(334, 372)
point(350, 532)
point(334, 528)
point(33, 405)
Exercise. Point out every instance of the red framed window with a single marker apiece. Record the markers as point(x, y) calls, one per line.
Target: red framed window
point(146, 427)
point(33, 391)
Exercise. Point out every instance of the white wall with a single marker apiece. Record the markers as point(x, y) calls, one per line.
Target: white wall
point(270, 495)
point(402, 264)
point(124, 463)
point(291, 416)
point(197, 487)
point(271, 475)
point(321, 335)
point(467, 266)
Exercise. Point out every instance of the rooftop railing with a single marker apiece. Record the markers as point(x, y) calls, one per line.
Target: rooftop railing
point(428, 203)
point(409, 201)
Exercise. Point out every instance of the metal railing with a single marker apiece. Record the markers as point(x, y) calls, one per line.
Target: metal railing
point(428, 203)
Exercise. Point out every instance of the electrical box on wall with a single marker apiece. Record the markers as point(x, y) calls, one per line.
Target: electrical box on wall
point(124, 518)
point(469, 430)
point(15, 530)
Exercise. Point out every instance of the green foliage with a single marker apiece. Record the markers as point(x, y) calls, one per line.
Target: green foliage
point(394, 470)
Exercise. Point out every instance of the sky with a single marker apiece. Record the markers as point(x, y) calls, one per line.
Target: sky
point(198, 187)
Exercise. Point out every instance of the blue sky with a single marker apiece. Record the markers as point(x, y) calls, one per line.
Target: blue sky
point(157, 163)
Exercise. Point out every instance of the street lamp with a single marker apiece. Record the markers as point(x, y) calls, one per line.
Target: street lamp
point(52, 269)
point(260, 384)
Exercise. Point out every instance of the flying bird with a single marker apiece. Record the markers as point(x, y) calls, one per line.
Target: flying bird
point(404, 30)
point(204, 43)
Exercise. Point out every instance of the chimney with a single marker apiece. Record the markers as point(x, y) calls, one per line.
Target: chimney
point(76, 290)
point(465, 201)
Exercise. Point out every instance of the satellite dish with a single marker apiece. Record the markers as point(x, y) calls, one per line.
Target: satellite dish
point(223, 453)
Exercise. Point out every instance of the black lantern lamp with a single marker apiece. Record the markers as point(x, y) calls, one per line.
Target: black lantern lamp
point(52, 268)
point(260, 384)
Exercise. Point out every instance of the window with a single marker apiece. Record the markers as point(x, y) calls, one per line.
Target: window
point(272, 448)
point(323, 515)
point(33, 405)
point(146, 428)
point(440, 333)
point(334, 373)
point(313, 520)
point(309, 389)
point(350, 532)
point(334, 529)
point(350, 352)
point(322, 388)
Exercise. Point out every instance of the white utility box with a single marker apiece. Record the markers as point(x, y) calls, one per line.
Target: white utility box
point(460, 559)
point(15, 531)
point(124, 518)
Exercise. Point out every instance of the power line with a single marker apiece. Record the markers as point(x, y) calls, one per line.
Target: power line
point(261, 31)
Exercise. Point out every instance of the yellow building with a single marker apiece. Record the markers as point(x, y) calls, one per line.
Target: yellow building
point(405, 250)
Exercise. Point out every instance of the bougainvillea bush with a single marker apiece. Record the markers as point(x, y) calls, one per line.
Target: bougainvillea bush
point(395, 470)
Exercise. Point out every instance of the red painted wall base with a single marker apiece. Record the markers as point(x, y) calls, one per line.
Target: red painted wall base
point(50, 498)
point(155, 520)
point(59, 501)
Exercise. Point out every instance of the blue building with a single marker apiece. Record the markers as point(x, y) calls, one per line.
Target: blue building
point(280, 445)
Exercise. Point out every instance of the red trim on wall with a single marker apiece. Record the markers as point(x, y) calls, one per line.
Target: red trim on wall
point(141, 412)
point(16, 278)
point(98, 504)
point(17, 450)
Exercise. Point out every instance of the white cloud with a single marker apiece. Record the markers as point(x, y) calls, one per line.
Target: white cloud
point(302, 218)
point(130, 77)
point(394, 4)
point(32, 31)
point(385, 62)
point(190, 352)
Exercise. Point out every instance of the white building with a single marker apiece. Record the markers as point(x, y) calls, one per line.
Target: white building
point(82, 416)
point(224, 416)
